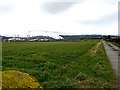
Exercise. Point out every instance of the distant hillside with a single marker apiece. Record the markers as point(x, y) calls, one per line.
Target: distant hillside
point(79, 37)
point(48, 38)
point(34, 38)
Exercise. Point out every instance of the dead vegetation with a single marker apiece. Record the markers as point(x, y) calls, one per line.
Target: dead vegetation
point(95, 49)
point(81, 77)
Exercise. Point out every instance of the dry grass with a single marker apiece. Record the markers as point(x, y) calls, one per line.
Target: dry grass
point(95, 49)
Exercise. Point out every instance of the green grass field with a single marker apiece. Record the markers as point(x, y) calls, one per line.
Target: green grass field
point(80, 64)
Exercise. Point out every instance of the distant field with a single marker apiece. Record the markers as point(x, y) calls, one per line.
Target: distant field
point(116, 44)
point(115, 41)
point(60, 64)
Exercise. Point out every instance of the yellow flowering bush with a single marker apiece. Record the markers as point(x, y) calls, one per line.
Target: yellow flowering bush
point(16, 79)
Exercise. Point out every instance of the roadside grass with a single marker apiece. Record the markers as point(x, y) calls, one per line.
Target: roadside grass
point(44, 61)
point(96, 69)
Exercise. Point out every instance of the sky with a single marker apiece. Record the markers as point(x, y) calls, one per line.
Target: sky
point(58, 17)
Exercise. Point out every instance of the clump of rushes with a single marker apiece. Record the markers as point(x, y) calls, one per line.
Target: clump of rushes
point(81, 77)
point(16, 79)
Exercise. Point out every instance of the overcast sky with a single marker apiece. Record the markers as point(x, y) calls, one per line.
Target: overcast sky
point(34, 17)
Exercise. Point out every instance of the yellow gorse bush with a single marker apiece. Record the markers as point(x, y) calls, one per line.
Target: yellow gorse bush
point(16, 79)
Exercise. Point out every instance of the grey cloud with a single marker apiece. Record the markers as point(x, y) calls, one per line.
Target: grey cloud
point(56, 7)
point(55, 32)
point(46, 31)
point(106, 20)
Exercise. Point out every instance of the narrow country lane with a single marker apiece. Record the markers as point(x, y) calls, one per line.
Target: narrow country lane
point(113, 54)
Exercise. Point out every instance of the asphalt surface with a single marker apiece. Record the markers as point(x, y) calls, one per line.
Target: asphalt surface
point(113, 54)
